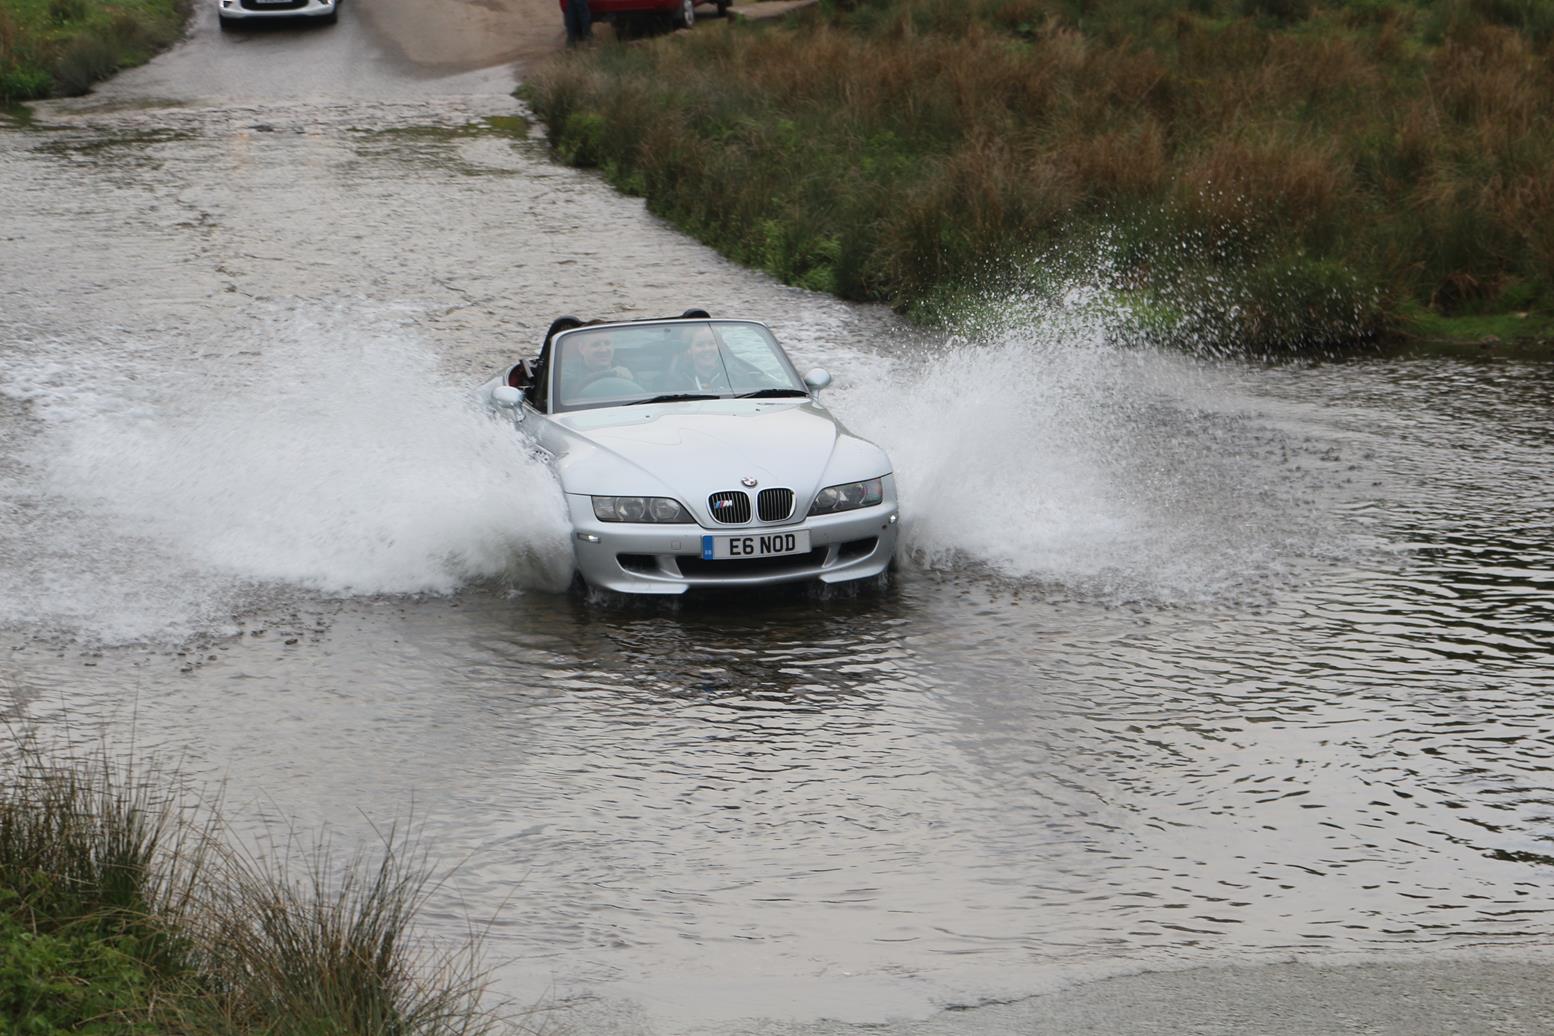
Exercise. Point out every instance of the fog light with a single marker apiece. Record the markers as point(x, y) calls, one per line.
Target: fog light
point(588, 537)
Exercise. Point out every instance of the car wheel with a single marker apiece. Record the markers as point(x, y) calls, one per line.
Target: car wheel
point(331, 17)
point(227, 24)
point(685, 16)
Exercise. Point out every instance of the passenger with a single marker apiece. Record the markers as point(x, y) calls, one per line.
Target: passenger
point(700, 367)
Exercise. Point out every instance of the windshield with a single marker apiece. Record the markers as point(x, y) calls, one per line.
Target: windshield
point(638, 363)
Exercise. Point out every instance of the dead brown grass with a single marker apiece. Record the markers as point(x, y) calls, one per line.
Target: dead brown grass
point(1280, 180)
point(1493, 82)
point(1130, 162)
point(894, 145)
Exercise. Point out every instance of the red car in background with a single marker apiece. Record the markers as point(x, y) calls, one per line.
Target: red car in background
point(680, 14)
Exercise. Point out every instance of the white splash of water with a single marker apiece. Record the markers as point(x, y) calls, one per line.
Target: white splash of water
point(1048, 452)
point(318, 451)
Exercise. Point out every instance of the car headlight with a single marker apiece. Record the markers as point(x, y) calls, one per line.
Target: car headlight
point(658, 509)
point(848, 497)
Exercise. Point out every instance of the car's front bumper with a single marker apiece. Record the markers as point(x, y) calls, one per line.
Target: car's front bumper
point(242, 10)
point(666, 559)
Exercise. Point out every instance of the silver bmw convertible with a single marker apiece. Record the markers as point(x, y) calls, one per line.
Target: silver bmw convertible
point(693, 455)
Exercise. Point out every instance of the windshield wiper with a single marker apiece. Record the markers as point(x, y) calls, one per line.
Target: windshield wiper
point(678, 397)
point(771, 393)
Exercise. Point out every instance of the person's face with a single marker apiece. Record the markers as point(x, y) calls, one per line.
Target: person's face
point(598, 353)
point(704, 353)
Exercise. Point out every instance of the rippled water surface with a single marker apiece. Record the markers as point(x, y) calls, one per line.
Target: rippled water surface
point(1187, 662)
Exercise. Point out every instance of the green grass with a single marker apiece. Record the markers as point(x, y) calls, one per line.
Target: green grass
point(119, 914)
point(1520, 330)
point(1279, 173)
point(81, 980)
point(51, 48)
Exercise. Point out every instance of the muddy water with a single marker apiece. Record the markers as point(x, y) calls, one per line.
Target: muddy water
point(1190, 662)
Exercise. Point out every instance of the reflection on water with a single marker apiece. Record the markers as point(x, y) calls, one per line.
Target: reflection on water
point(1189, 662)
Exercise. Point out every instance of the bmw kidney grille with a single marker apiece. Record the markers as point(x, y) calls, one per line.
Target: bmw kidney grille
point(729, 508)
point(733, 507)
point(773, 505)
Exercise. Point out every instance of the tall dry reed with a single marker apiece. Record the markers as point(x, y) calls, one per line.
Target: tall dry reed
point(887, 149)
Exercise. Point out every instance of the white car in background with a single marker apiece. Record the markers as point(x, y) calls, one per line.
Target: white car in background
point(233, 13)
point(693, 455)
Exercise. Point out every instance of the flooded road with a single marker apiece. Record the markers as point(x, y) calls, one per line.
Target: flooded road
point(1189, 663)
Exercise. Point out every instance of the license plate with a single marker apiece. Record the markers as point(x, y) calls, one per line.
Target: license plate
point(756, 545)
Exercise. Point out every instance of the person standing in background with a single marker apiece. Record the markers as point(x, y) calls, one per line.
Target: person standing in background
point(579, 21)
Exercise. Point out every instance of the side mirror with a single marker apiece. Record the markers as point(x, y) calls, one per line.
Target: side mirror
point(816, 380)
point(508, 398)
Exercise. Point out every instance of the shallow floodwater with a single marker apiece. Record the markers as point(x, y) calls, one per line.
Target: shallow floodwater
point(1187, 662)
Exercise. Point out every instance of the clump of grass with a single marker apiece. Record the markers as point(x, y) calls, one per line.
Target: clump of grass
point(120, 909)
point(1358, 160)
point(333, 949)
point(98, 875)
point(87, 840)
point(84, 61)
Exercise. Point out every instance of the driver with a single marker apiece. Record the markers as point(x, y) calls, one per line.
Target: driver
point(593, 358)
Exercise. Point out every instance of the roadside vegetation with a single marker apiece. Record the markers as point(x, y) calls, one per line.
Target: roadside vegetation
point(1262, 173)
point(119, 914)
point(59, 48)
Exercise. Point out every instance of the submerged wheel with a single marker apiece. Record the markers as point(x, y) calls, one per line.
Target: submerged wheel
point(332, 16)
point(685, 15)
point(227, 24)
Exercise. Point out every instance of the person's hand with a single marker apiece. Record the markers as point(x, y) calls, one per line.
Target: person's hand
point(622, 372)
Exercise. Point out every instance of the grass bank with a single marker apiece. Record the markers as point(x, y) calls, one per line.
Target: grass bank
point(119, 914)
point(1269, 173)
point(58, 48)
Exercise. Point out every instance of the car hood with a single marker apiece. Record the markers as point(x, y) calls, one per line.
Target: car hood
point(690, 450)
